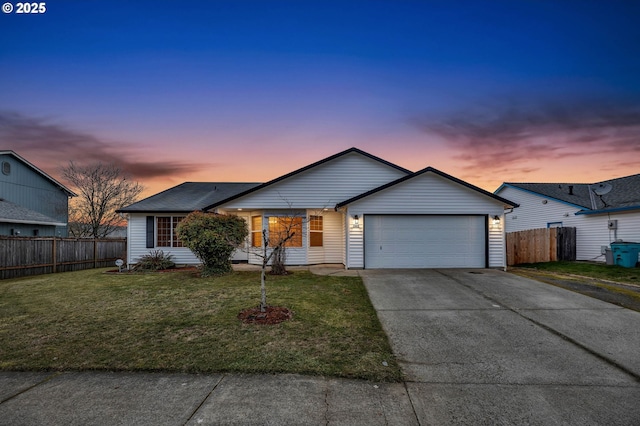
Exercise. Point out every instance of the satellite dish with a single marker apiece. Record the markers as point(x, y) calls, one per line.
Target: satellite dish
point(603, 188)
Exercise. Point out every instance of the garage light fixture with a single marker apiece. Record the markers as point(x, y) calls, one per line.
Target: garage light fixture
point(496, 220)
point(356, 221)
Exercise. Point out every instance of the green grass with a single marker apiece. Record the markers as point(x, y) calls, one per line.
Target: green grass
point(90, 320)
point(590, 269)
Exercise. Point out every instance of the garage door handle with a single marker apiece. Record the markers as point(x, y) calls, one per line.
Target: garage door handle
point(380, 247)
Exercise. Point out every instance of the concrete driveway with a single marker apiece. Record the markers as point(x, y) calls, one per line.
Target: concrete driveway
point(488, 347)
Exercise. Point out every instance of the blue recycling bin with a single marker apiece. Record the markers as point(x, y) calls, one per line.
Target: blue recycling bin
point(625, 253)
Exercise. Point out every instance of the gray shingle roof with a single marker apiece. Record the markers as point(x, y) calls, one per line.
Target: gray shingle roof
point(624, 193)
point(188, 197)
point(13, 213)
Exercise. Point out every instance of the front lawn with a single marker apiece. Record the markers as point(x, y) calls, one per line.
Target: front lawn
point(589, 269)
point(90, 320)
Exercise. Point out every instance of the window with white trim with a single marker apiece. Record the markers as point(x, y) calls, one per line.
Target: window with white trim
point(166, 231)
point(315, 231)
point(256, 231)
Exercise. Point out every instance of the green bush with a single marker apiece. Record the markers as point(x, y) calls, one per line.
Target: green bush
point(156, 260)
point(213, 238)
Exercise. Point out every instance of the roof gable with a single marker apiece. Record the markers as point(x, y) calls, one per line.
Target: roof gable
point(69, 192)
point(366, 181)
point(507, 203)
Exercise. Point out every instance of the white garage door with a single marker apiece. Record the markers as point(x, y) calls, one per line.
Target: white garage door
point(424, 241)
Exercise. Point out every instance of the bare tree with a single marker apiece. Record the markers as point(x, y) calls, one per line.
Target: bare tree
point(102, 189)
point(273, 250)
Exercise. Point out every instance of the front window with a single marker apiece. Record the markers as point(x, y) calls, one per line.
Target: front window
point(256, 231)
point(315, 231)
point(281, 227)
point(167, 236)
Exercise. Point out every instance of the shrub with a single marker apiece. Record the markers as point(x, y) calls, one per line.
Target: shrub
point(213, 238)
point(154, 261)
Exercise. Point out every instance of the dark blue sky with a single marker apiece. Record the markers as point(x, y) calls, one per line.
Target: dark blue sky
point(489, 91)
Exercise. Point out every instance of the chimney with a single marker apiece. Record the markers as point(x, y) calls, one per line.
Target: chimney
point(570, 189)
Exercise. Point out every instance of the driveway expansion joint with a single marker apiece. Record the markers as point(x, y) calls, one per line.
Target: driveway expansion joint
point(204, 399)
point(27, 389)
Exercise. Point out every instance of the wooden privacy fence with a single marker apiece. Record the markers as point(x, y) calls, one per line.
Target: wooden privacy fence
point(46, 255)
point(541, 245)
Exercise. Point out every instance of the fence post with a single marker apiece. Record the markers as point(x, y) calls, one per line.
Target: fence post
point(53, 255)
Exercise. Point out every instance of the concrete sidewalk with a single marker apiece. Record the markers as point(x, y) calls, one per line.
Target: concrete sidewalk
point(101, 398)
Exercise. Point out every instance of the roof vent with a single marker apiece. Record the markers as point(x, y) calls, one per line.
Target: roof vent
point(603, 188)
point(570, 189)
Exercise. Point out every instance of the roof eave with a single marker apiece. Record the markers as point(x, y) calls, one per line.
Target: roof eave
point(507, 203)
point(156, 211)
point(609, 210)
point(32, 222)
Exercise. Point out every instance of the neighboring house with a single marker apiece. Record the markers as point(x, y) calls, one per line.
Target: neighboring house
point(352, 208)
point(601, 212)
point(32, 203)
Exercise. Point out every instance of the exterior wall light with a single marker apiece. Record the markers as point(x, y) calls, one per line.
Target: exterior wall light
point(356, 221)
point(496, 220)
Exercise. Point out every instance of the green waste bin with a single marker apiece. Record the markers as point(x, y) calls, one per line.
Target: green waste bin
point(625, 253)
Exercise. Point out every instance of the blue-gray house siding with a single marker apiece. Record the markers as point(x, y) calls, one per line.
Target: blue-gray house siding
point(31, 202)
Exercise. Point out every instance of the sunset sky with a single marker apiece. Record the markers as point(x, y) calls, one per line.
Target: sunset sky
point(487, 91)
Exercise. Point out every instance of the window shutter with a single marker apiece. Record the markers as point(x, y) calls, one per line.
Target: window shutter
point(150, 232)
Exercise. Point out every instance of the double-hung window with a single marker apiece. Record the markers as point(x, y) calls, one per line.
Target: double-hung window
point(256, 231)
point(315, 231)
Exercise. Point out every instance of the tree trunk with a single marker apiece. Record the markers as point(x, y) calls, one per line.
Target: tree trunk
point(279, 259)
point(263, 290)
point(263, 273)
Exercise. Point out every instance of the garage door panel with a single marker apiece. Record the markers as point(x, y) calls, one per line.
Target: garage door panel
point(397, 241)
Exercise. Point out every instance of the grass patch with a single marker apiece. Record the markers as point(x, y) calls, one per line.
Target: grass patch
point(89, 320)
point(589, 269)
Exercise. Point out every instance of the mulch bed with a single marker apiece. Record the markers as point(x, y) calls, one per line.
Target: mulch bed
point(272, 315)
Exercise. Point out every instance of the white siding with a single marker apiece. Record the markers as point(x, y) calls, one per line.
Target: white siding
point(426, 194)
point(592, 231)
point(534, 212)
point(497, 248)
point(137, 242)
point(332, 250)
point(322, 186)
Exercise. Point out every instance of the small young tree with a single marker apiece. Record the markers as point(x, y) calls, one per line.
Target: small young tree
point(274, 250)
point(213, 238)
